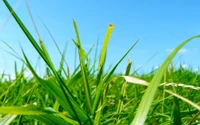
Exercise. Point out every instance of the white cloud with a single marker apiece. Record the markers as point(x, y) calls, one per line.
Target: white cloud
point(156, 67)
point(196, 69)
point(181, 51)
point(184, 66)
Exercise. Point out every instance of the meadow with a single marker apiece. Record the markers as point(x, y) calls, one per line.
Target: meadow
point(90, 95)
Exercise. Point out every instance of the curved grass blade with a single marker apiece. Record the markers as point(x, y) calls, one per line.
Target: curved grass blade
point(53, 88)
point(44, 54)
point(184, 99)
point(147, 98)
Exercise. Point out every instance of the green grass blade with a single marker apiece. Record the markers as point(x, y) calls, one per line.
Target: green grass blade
point(123, 93)
point(6, 120)
point(99, 82)
point(176, 112)
point(62, 55)
point(27, 110)
point(103, 53)
point(147, 99)
point(53, 88)
point(82, 57)
point(49, 119)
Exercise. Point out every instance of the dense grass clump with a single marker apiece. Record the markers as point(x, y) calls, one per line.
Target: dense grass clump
point(92, 96)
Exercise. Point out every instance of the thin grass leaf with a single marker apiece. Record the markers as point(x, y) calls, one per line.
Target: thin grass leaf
point(95, 56)
point(6, 120)
point(184, 99)
point(50, 119)
point(62, 62)
point(15, 54)
point(26, 110)
point(123, 93)
point(105, 79)
point(57, 47)
point(44, 54)
point(56, 91)
point(24, 29)
point(147, 98)
point(99, 82)
point(82, 57)
point(194, 118)
point(176, 112)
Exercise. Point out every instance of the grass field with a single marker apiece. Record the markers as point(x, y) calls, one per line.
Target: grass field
point(89, 95)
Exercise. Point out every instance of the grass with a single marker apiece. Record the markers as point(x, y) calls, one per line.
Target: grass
point(93, 96)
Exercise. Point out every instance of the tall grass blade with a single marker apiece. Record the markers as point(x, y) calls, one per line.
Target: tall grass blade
point(82, 58)
point(147, 98)
point(76, 111)
point(67, 102)
point(176, 112)
point(99, 82)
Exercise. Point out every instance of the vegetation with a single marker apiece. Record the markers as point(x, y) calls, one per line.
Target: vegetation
point(93, 96)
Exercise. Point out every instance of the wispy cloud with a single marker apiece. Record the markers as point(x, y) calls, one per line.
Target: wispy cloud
point(181, 51)
point(184, 66)
point(156, 67)
point(196, 69)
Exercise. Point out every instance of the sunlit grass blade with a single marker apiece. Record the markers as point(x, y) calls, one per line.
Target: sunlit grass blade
point(103, 53)
point(26, 110)
point(36, 112)
point(6, 120)
point(147, 98)
point(99, 82)
point(44, 54)
point(82, 58)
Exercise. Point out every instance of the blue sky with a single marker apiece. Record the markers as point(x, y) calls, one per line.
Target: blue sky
point(160, 25)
